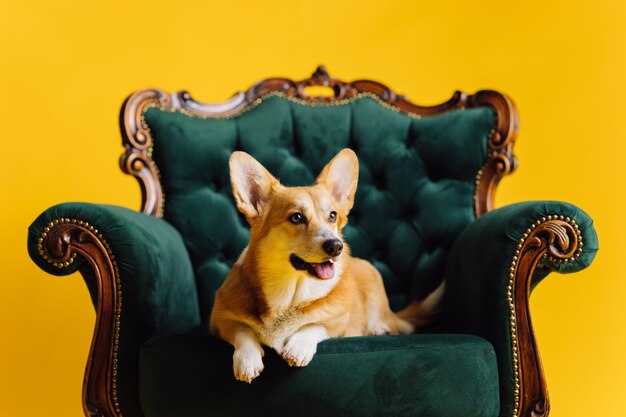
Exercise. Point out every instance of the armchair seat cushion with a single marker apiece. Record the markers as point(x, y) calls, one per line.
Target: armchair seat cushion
point(414, 375)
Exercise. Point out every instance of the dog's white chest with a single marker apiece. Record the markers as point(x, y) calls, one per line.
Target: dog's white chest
point(277, 326)
point(287, 291)
point(286, 299)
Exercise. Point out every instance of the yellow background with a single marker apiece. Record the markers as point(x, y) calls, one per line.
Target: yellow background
point(65, 68)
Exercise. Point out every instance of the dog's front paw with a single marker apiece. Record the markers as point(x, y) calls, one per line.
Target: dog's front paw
point(299, 350)
point(247, 363)
point(380, 329)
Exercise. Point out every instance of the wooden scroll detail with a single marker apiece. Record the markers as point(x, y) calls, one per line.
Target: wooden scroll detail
point(500, 158)
point(138, 142)
point(60, 245)
point(556, 240)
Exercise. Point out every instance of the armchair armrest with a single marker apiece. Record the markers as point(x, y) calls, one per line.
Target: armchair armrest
point(141, 283)
point(491, 270)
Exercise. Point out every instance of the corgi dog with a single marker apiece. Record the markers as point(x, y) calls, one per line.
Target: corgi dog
point(295, 284)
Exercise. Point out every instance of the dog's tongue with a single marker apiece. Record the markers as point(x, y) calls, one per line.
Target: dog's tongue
point(325, 270)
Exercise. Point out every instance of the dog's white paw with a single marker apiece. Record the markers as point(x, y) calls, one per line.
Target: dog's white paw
point(299, 350)
point(247, 362)
point(379, 329)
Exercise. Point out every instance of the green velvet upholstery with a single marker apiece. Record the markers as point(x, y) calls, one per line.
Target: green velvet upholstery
point(158, 285)
point(414, 174)
point(416, 375)
point(477, 275)
point(413, 219)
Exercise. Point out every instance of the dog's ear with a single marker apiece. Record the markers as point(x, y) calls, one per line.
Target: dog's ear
point(340, 177)
point(251, 183)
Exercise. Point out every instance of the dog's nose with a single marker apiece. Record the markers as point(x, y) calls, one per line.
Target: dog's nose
point(332, 247)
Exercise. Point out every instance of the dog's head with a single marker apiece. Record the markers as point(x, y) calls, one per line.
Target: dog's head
point(299, 227)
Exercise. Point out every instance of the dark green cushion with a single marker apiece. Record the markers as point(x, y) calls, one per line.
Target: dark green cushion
point(415, 192)
point(414, 375)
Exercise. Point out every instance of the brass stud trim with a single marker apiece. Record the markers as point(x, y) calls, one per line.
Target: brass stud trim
point(511, 300)
point(118, 307)
point(479, 176)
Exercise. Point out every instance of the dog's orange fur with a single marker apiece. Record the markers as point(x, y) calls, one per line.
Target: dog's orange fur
point(265, 300)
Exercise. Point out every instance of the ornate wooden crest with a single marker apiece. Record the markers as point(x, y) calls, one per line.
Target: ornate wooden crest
point(137, 158)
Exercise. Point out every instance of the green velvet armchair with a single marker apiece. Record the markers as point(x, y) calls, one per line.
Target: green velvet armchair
point(423, 211)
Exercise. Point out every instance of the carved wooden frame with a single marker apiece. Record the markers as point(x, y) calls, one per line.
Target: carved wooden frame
point(553, 239)
point(60, 243)
point(66, 238)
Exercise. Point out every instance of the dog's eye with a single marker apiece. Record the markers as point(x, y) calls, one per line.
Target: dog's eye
point(296, 218)
point(332, 217)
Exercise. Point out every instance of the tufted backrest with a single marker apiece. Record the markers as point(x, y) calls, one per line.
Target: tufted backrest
point(415, 194)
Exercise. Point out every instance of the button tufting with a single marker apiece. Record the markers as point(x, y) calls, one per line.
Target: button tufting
point(352, 144)
point(411, 139)
point(214, 183)
point(408, 214)
point(380, 182)
point(431, 247)
point(295, 148)
point(381, 252)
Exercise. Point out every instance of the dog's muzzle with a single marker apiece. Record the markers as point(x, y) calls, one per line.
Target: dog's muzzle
point(321, 270)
